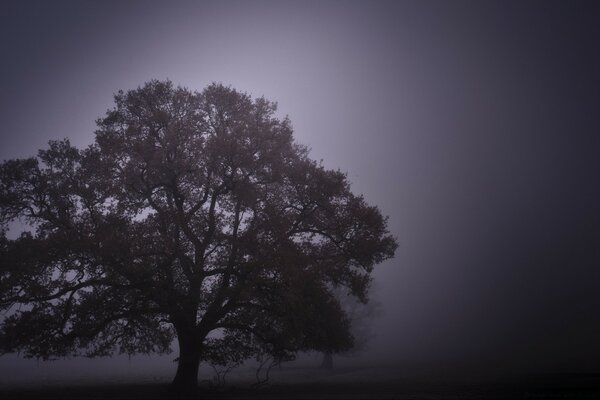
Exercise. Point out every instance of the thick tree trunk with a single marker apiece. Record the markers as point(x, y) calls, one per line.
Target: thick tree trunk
point(186, 378)
point(327, 361)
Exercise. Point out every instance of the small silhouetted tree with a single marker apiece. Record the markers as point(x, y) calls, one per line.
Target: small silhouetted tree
point(360, 316)
point(192, 215)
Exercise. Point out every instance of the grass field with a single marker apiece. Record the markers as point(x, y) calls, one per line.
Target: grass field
point(312, 383)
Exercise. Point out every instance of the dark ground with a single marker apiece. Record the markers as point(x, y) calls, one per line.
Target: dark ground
point(559, 386)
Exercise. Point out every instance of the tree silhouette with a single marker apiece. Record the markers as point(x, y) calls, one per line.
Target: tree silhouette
point(361, 317)
point(192, 215)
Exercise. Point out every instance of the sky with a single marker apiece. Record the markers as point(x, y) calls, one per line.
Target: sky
point(472, 124)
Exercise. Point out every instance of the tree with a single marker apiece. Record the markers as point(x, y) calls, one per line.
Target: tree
point(192, 215)
point(360, 316)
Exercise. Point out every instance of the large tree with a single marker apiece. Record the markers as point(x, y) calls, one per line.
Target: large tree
point(192, 215)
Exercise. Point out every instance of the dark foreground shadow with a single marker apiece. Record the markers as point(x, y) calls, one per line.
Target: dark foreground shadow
point(566, 386)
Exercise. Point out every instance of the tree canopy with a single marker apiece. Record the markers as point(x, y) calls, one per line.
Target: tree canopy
point(193, 215)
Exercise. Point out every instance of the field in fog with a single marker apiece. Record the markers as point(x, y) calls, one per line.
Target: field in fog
point(148, 377)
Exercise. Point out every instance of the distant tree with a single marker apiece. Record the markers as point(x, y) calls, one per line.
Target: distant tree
point(360, 316)
point(192, 215)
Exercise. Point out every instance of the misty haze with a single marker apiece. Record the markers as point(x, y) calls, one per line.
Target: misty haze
point(362, 199)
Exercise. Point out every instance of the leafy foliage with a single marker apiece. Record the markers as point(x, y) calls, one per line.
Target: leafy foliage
point(191, 213)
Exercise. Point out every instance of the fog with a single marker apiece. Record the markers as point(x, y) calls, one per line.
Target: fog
point(472, 125)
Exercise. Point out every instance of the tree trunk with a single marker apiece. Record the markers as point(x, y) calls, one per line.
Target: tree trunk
point(327, 361)
point(186, 378)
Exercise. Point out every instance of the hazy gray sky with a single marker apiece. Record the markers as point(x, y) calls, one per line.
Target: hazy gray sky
point(473, 125)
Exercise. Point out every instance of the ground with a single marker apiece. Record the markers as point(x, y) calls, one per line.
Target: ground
point(293, 382)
